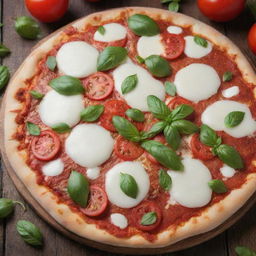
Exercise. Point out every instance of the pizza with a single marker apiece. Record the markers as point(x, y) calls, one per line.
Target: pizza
point(134, 127)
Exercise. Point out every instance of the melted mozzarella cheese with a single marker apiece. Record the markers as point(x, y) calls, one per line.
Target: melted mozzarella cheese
point(194, 50)
point(119, 220)
point(53, 168)
point(190, 186)
point(147, 85)
point(215, 114)
point(112, 184)
point(227, 171)
point(174, 30)
point(197, 82)
point(89, 145)
point(113, 32)
point(230, 92)
point(93, 173)
point(150, 45)
point(56, 108)
point(78, 59)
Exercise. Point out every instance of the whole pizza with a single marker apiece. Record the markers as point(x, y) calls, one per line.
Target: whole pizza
point(134, 127)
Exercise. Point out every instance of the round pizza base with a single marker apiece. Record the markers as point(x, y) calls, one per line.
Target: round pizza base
point(212, 221)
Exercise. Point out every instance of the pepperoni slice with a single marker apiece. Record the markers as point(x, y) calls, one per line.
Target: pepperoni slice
point(98, 86)
point(45, 146)
point(127, 150)
point(161, 139)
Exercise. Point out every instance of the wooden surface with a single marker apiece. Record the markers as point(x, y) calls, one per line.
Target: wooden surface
point(243, 233)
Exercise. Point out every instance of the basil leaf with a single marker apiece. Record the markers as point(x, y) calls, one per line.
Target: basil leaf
point(181, 112)
point(111, 57)
point(129, 83)
point(92, 113)
point(234, 118)
point(78, 188)
point(51, 62)
point(4, 51)
point(128, 185)
point(154, 130)
point(174, 7)
point(135, 114)
point(35, 94)
point(142, 25)
point(165, 1)
point(158, 107)
point(218, 186)
point(227, 76)
point(1, 24)
point(6, 207)
point(229, 156)
point(244, 251)
point(170, 88)
point(27, 27)
point(185, 126)
point(140, 59)
point(163, 154)
point(172, 136)
point(148, 218)
point(30, 233)
point(4, 76)
point(165, 180)
point(158, 66)
point(200, 41)
point(126, 128)
point(101, 30)
point(67, 85)
point(61, 128)
point(33, 129)
point(208, 136)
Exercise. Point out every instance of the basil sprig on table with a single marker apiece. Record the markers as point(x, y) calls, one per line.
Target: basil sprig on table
point(158, 66)
point(33, 129)
point(4, 76)
point(165, 180)
point(135, 114)
point(35, 94)
point(7, 207)
point(227, 76)
point(128, 185)
point(51, 63)
point(4, 51)
point(174, 6)
point(61, 128)
point(218, 186)
point(170, 88)
point(244, 251)
point(200, 41)
point(101, 30)
point(148, 218)
point(129, 83)
point(92, 113)
point(234, 118)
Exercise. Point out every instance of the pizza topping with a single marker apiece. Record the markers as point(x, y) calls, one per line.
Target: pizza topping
point(200, 41)
point(128, 185)
point(53, 168)
point(112, 184)
point(119, 220)
point(101, 30)
point(72, 59)
point(170, 88)
point(93, 173)
point(165, 180)
point(140, 59)
point(227, 76)
point(51, 63)
point(148, 219)
point(227, 171)
point(33, 129)
point(129, 83)
point(61, 128)
point(191, 80)
point(174, 30)
point(89, 145)
point(36, 95)
point(231, 92)
point(218, 186)
point(233, 119)
point(135, 114)
point(92, 113)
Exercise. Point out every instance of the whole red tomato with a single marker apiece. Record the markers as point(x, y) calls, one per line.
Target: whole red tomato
point(252, 38)
point(221, 10)
point(47, 10)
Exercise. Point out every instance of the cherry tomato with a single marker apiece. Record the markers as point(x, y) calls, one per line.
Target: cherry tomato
point(98, 86)
point(47, 10)
point(252, 38)
point(159, 138)
point(143, 208)
point(200, 150)
point(45, 146)
point(97, 203)
point(221, 10)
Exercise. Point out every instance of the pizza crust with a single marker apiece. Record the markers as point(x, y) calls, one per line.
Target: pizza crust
point(209, 219)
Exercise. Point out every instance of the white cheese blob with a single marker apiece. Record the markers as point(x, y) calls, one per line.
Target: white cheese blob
point(150, 45)
point(93, 173)
point(112, 184)
point(119, 220)
point(194, 50)
point(174, 30)
point(230, 92)
point(227, 171)
point(197, 82)
point(89, 145)
point(215, 114)
point(53, 168)
point(57, 108)
point(78, 59)
point(113, 32)
point(147, 85)
point(190, 186)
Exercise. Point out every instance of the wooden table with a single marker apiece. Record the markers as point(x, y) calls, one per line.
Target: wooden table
point(243, 233)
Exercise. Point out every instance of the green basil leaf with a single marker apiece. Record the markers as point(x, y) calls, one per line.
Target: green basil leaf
point(200, 41)
point(35, 94)
point(172, 136)
point(218, 186)
point(148, 218)
point(244, 251)
point(208, 136)
point(181, 112)
point(165, 1)
point(165, 180)
point(135, 114)
point(154, 130)
point(67, 85)
point(4, 51)
point(6, 207)
point(140, 59)
point(229, 156)
point(185, 126)
point(158, 107)
point(78, 188)
point(158, 66)
point(61, 128)
point(27, 27)
point(92, 113)
point(142, 25)
point(51, 62)
point(126, 128)
point(33, 129)
point(234, 118)
point(30, 233)
point(101, 30)
point(4, 76)
point(170, 88)
point(128, 185)
point(174, 7)
point(163, 154)
point(227, 76)
point(129, 83)
point(111, 57)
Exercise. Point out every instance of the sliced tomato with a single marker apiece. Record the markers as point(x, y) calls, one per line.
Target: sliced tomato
point(159, 138)
point(200, 150)
point(143, 208)
point(98, 86)
point(127, 150)
point(97, 203)
point(45, 146)
point(101, 45)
